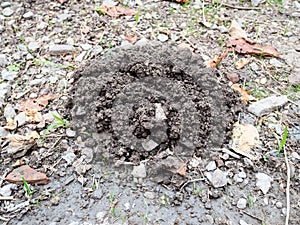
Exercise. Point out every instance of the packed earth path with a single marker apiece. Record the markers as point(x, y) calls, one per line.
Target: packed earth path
point(150, 112)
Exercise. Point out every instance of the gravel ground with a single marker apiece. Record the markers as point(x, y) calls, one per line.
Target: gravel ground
point(45, 47)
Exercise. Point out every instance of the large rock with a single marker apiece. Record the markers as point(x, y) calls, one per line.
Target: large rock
point(267, 105)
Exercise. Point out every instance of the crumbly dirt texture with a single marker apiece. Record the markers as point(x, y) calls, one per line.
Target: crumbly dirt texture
point(118, 95)
point(144, 132)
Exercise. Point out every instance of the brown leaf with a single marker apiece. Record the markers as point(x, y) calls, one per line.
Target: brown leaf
point(131, 38)
point(30, 175)
point(244, 47)
point(10, 125)
point(242, 62)
point(36, 104)
point(116, 11)
point(245, 95)
point(236, 32)
point(244, 138)
point(33, 116)
point(182, 170)
point(213, 63)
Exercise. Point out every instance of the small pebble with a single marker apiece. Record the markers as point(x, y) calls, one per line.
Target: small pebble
point(279, 205)
point(242, 203)
point(7, 12)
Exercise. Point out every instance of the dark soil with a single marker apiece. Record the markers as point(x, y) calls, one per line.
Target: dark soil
point(116, 97)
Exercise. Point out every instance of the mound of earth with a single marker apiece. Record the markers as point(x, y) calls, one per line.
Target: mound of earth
point(151, 103)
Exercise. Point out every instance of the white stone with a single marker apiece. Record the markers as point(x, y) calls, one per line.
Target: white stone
point(139, 171)
point(263, 182)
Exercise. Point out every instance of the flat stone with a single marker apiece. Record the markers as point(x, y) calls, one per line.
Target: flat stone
point(149, 145)
point(61, 49)
point(211, 166)
point(69, 157)
point(295, 155)
point(294, 77)
point(36, 82)
point(242, 222)
point(5, 4)
point(64, 16)
point(3, 132)
point(33, 46)
point(6, 190)
point(98, 193)
point(242, 174)
point(263, 182)
point(85, 47)
point(218, 178)
point(110, 2)
point(4, 89)
point(20, 119)
point(3, 60)
point(149, 195)
point(242, 203)
point(255, 2)
point(28, 15)
point(276, 62)
point(70, 133)
point(7, 12)
point(267, 105)
point(9, 112)
point(279, 205)
point(174, 37)
point(237, 179)
point(7, 75)
point(159, 112)
point(139, 171)
point(162, 37)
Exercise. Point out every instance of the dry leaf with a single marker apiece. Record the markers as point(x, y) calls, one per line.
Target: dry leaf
point(213, 63)
point(244, 137)
point(30, 175)
point(19, 144)
point(18, 163)
point(36, 104)
point(244, 47)
point(182, 170)
point(115, 11)
point(10, 125)
point(242, 62)
point(131, 38)
point(236, 32)
point(33, 116)
point(245, 95)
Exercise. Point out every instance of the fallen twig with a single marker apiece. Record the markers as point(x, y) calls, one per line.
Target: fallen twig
point(255, 217)
point(288, 171)
point(7, 198)
point(191, 181)
point(240, 7)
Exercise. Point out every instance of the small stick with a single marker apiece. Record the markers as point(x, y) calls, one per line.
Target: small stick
point(3, 177)
point(4, 219)
point(255, 217)
point(240, 7)
point(288, 170)
point(191, 181)
point(8, 198)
